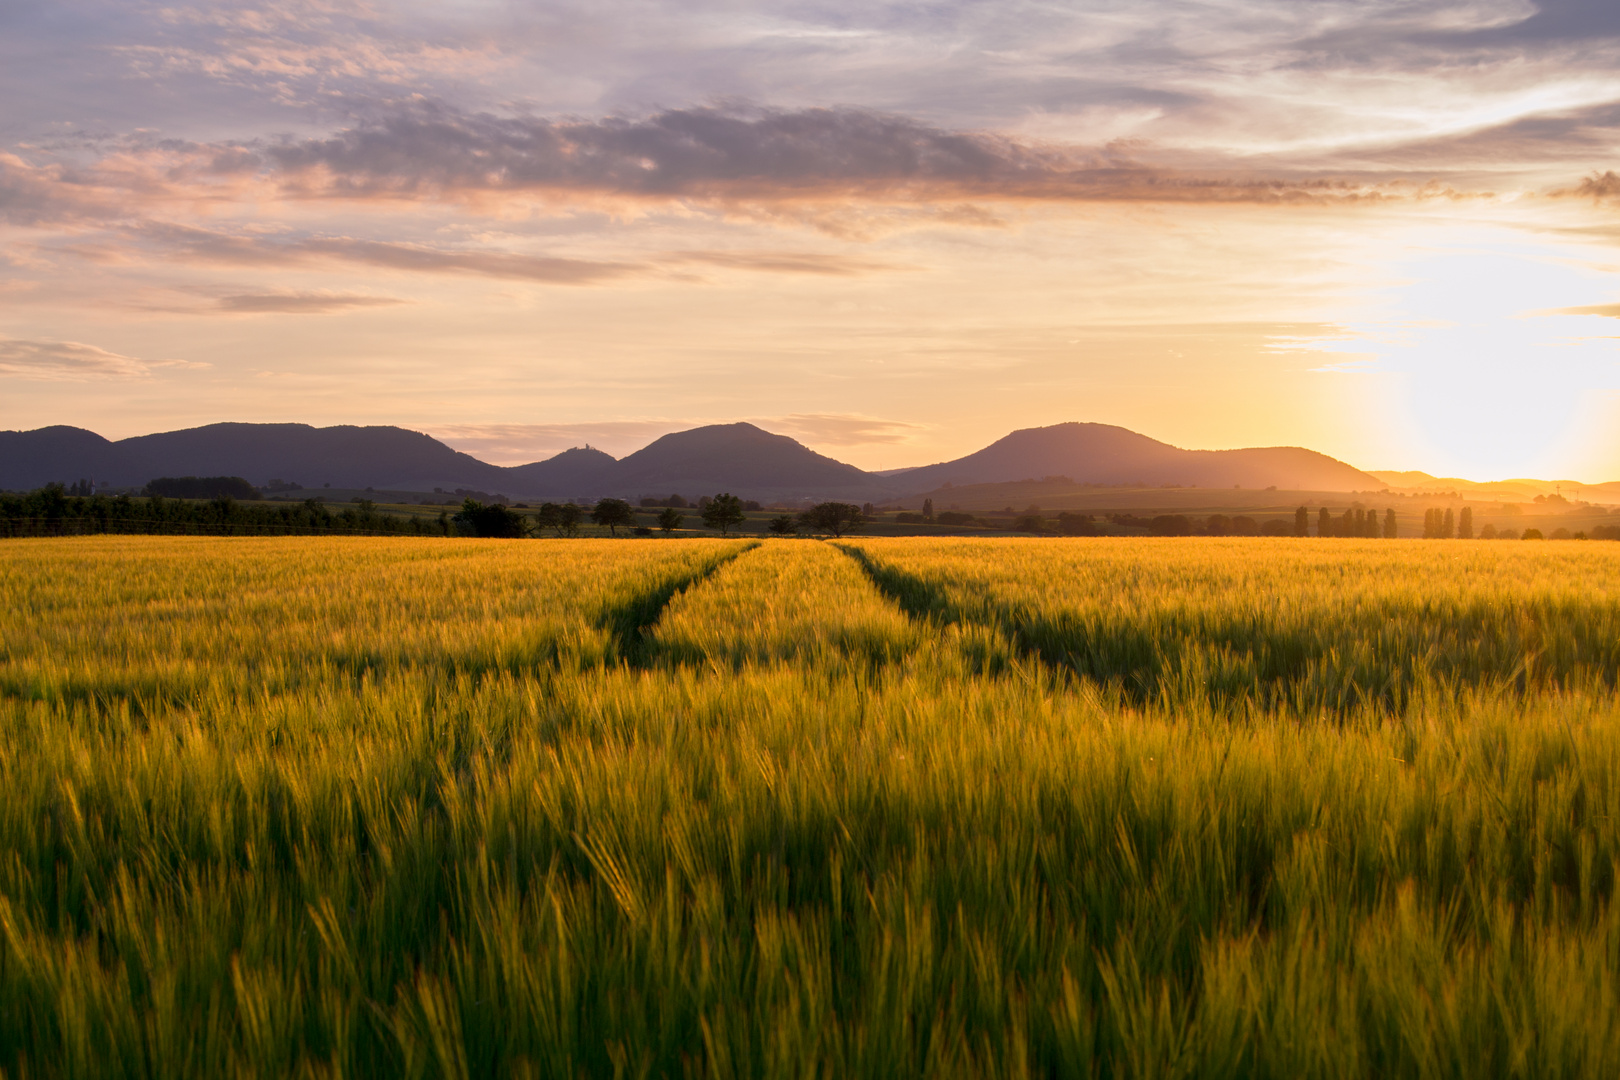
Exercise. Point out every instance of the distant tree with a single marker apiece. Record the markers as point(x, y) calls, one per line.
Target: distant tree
point(1245, 526)
point(957, 517)
point(783, 525)
point(563, 518)
point(1302, 522)
point(1068, 523)
point(650, 501)
point(613, 513)
point(1277, 527)
point(1465, 523)
point(1488, 532)
point(868, 510)
point(1448, 526)
point(677, 502)
point(832, 517)
point(201, 487)
point(493, 520)
point(1030, 523)
point(1390, 528)
point(669, 519)
point(1170, 525)
point(1431, 524)
point(722, 512)
point(1218, 525)
point(1532, 534)
point(1324, 522)
point(752, 505)
point(928, 511)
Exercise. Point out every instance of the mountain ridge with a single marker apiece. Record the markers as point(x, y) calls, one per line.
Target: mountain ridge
point(738, 457)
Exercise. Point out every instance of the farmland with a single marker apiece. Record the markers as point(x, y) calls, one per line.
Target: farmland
point(422, 807)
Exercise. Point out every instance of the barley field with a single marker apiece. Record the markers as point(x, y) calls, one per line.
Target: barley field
point(321, 807)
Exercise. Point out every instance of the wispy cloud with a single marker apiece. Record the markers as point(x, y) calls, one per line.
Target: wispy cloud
point(434, 150)
point(306, 303)
point(66, 360)
point(843, 429)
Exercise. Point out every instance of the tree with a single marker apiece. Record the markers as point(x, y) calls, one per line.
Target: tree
point(1324, 522)
point(1390, 527)
point(832, 517)
point(928, 511)
point(1218, 525)
point(561, 517)
point(669, 519)
point(613, 513)
point(1302, 522)
point(1465, 523)
point(783, 525)
point(493, 520)
point(1030, 523)
point(722, 512)
point(1448, 526)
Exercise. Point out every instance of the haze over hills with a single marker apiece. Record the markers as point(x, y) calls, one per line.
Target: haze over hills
point(1515, 490)
point(739, 457)
point(1106, 454)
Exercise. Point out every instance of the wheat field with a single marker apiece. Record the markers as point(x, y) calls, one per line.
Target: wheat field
point(875, 808)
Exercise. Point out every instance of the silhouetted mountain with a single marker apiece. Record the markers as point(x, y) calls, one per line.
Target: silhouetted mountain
point(581, 471)
point(352, 457)
point(744, 460)
point(1105, 454)
point(61, 454)
point(739, 458)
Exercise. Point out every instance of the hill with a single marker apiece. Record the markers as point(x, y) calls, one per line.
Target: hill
point(346, 456)
point(740, 458)
point(1105, 454)
point(1516, 490)
point(745, 460)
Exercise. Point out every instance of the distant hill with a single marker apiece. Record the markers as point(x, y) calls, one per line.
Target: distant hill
point(1516, 490)
point(740, 458)
point(571, 474)
point(352, 457)
point(1105, 454)
point(745, 460)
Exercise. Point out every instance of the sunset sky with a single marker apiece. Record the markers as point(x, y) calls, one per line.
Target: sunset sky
point(895, 231)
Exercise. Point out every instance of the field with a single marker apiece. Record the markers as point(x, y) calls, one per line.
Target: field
point(874, 808)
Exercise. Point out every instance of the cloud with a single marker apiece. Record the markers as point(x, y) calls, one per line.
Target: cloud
point(717, 154)
point(66, 360)
point(782, 262)
point(1608, 311)
point(36, 195)
point(210, 245)
point(300, 303)
point(843, 429)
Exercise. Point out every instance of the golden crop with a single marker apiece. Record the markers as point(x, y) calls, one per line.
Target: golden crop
point(875, 808)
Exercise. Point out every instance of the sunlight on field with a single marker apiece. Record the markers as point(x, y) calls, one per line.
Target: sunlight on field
point(871, 808)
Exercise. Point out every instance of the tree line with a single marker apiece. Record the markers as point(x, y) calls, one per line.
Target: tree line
point(51, 511)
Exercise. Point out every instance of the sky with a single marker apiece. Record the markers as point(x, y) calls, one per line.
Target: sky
point(1384, 230)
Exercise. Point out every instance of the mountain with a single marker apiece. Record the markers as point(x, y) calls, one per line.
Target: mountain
point(1516, 490)
point(345, 457)
point(572, 473)
point(30, 459)
point(739, 458)
point(745, 460)
point(1105, 454)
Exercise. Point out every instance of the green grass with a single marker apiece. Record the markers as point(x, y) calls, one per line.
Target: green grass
point(880, 808)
